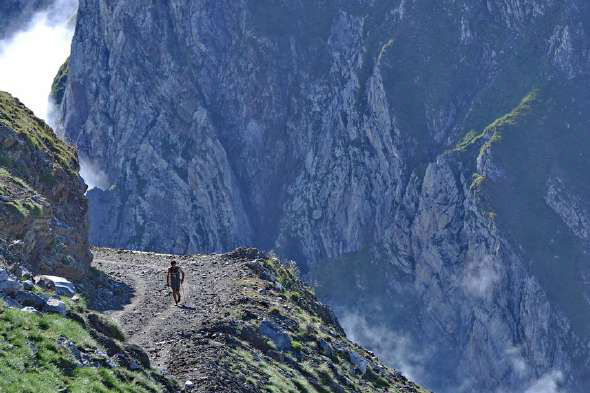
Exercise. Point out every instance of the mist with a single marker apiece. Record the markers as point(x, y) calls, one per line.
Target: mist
point(394, 348)
point(31, 56)
point(93, 176)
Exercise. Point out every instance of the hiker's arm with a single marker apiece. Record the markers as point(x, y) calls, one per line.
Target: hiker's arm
point(182, 278)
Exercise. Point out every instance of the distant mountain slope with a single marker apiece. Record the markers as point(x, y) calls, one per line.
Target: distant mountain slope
point(424, 162)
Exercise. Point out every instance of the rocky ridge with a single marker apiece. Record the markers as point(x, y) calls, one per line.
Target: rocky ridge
point(253, 325)
point(50, 341)
point(42, 205)
point(245, 324)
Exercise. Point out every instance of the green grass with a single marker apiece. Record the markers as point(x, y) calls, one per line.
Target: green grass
point(296, 345)
point(477, 181)
point(32, 361)
point(58, 87)
point(493, 130)
point(15, 116)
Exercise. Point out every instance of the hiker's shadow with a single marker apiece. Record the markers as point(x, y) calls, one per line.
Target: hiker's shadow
point(185, 307)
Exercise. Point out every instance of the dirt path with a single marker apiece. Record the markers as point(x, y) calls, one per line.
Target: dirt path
point(148, 316)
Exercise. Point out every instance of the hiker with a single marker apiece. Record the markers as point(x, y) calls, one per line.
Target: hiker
point(174, 280)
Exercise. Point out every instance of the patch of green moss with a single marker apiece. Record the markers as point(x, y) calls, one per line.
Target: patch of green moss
point(493, 131)
point(58, 87)
point(477, 181)
point(296, 345)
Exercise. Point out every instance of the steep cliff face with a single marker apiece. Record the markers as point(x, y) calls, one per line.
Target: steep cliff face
point(423, 162)
point(43, 210)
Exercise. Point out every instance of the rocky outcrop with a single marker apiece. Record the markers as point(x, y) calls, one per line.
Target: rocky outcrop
point(245, 324)
point(397, 150)
point(43, 210)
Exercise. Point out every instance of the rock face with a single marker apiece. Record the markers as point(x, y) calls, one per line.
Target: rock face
point(43, 211)
point(424, 163)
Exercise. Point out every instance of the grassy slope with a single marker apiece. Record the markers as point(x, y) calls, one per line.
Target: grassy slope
point(304, 368)
point(31, 360)
point(15, 116)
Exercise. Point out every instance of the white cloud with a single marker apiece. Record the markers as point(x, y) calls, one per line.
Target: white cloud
point(480, 277)
point(548, 383)
point(93, 176)
point(30, 58)
point(394, 348)
point(517, 362)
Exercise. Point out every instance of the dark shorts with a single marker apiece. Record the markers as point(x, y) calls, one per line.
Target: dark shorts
point(175, 284)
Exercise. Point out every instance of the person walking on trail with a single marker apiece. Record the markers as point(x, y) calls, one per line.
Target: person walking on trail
point(174, 280)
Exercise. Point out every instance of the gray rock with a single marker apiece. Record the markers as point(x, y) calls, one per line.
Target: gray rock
point(31, 299)
point(10, 302)
point(326, 348)
point(359, 362)
point(27, 298)
point(30, 309)
point(54, 306)
point(63, 286)
point(73, 350)
point(23, 273)
point(27, 285)
point(10, 286)
point(281, 340)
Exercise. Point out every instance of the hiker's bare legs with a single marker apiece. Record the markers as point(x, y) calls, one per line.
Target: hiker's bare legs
point(176, 296)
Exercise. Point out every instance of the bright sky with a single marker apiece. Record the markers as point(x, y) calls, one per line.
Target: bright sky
point(30, 59)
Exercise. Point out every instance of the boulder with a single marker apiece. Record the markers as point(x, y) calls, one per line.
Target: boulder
point(10, 302)
point(280, 339)
point(123, 360)
point(22, 273)
point(27, 285)
point(63, 287)
point(43, 282)
point(55, 306)
point(8, 284)
point(31, 299)
point(326, 348)
point(360, 363)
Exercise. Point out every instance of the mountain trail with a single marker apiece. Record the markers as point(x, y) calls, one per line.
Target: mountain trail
point(245, 324)
point(149, 318)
